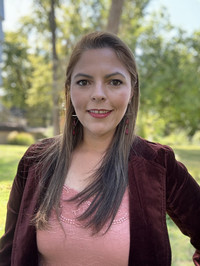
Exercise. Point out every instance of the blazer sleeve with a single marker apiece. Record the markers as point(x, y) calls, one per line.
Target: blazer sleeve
point(183, 201)
point(13, 208)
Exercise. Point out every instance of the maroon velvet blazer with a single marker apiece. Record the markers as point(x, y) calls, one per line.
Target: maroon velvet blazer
point(157, 184)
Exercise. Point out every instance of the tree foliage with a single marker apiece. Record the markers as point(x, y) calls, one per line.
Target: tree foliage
point(170, 83)
point(39, 98)
point(167, 57)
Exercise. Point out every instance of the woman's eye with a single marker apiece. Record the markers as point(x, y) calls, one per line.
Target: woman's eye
point(82, 82)
point(116, 82)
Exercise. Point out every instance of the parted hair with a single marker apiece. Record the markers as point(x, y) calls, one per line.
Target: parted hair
point(110, 180)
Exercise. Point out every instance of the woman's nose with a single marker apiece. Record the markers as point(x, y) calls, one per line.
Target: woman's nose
point(98, 92)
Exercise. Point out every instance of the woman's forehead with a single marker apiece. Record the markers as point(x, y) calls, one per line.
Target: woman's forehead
point(99, 59)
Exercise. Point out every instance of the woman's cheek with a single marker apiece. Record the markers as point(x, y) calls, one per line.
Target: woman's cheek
point(76, 99)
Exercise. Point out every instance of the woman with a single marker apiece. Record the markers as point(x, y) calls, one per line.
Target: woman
point(98, 194)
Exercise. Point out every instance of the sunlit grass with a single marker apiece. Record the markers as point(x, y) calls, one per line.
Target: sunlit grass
point(9, 158)
point(182, 250)
point(190, 156)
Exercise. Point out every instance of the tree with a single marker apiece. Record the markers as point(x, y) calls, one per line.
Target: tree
point(39, 97)
point(45, 12)
point(17, 70)
point(55, 93)
point(27, 80)
point(169, 81)
point(133, 21)
point(114, 16)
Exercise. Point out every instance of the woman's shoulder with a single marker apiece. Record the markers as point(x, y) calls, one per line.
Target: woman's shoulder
point(151, 151)
point(41, 144)
point(145, 147)
point(34, 152)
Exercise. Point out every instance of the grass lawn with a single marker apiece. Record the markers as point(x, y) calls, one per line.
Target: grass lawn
point(9, 158)
point(189, 155)
point(182, 250)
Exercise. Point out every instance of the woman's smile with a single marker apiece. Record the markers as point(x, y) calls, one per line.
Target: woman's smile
point(99, 113)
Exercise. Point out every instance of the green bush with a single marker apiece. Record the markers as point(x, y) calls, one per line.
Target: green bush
point(20, 138)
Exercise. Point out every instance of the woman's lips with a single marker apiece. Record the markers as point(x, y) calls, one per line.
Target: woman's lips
point(99, 113)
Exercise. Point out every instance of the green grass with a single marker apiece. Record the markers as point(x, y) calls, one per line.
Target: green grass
point(182, 250)
point(9, 158)
point(189, 155)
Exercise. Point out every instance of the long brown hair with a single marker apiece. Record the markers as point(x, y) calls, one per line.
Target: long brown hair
point(111, 178)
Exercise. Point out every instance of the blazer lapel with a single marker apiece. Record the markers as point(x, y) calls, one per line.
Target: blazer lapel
point(148, 231)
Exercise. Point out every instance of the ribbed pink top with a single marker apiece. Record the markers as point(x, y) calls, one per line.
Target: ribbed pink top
point(68, 243)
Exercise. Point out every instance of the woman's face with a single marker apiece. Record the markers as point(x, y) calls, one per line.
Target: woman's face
point(100, 91)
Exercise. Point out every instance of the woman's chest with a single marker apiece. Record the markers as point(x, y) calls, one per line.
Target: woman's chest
point(68, 242)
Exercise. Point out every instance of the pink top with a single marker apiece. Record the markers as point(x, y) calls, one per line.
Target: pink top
point(69, 243)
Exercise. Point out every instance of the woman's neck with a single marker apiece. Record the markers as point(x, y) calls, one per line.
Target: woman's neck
point(96, 144)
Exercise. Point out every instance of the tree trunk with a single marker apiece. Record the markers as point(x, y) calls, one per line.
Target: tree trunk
point(114, 16)
point(55, 90)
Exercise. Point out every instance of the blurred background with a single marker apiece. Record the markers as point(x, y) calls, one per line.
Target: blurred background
point(164, 35)
point(36, 39)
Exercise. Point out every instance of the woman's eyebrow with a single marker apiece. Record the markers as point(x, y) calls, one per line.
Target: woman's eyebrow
point(114, 74)
point(106, 76)
point(83, 75)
